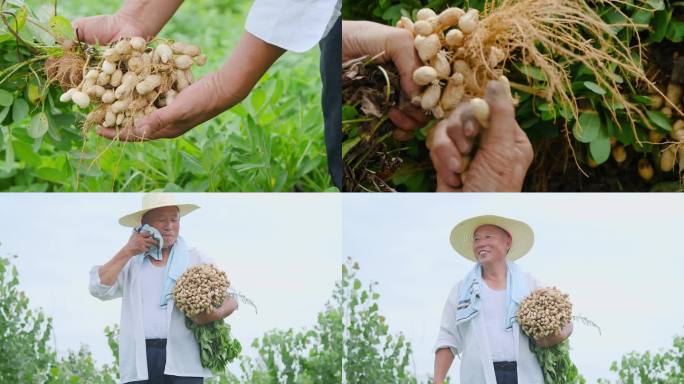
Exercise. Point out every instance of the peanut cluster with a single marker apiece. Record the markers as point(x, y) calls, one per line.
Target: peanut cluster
point(201, 288)
point(544, 313)
point(131, 79)
point(450, 71)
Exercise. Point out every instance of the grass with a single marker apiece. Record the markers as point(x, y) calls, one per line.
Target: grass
point(272, 141)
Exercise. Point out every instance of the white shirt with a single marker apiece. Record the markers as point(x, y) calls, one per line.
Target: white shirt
point(294, 25)
point(501, 342)
point(469, 338)
point(155, 319)
point(182, 350)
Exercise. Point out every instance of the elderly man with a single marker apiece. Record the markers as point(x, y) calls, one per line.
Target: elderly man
point(155, 346)
point(479, 316)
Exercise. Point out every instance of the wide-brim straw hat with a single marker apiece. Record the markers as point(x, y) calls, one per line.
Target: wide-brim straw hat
point(152, 201)
point(522, 236)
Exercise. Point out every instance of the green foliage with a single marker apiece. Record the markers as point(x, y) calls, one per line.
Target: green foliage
point(112, 334)
point(217, 346)
point(556, 364)
point(372, 354)
point(272, 141)
point(24, 332)
point(666, 367)
point(307, 356)
point(79, 367)
point(24, 343)
point(661, 24)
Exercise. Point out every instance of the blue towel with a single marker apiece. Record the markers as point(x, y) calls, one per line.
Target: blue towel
point(469, 294)
point(154, 252)
point(178, 261)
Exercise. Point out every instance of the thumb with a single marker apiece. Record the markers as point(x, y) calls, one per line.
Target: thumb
point(502, 122)
point(403, 53)
point(93, 29)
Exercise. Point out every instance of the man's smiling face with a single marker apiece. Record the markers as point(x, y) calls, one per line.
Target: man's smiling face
point(166, 220)
point(491, 243)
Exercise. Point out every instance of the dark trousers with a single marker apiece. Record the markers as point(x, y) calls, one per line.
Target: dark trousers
point(156, 361)
point(331, 76)
point(506, 372)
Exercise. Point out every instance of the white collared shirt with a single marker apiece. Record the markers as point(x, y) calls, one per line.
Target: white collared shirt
point(469, 339)
point(294, 25)
point(182, 350)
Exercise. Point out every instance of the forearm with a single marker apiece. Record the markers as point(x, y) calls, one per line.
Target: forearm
point(248, 62)
point(149, 15)
point(110, 271)
point(443, 359)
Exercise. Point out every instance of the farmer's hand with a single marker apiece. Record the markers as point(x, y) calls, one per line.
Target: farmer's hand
point(135, 18)
point(361, 38)
point(226, 309)
point(503, 156)
point(208, 97)
point(206, 318)
point(551, 341)
point(104, 29)
point(139, 243)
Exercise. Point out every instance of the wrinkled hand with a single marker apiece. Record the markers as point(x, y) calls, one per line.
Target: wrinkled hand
point(361, 38)
point(502, 158)
point(208, 97)
point(139, 243)
point(206, 318)
point(104, 29)
point(550, 341)
point(191, 107)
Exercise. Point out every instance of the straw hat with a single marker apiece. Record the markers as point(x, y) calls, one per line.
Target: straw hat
point(521, 234)
point(151, 201)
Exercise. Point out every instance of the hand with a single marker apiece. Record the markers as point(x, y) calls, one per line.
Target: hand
point(504, 152)
point(139, 243)
point(191, 107)
point(135, 18)
point(206, 98)
point(104, 29)
point(550, 341)
point(206, 318)
point(361, 38)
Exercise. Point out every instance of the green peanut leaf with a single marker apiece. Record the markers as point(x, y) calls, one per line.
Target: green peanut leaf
point(38, 126)
point(6, 98)
point(587, 128)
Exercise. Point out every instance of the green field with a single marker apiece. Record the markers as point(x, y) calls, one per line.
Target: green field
point(272, 141)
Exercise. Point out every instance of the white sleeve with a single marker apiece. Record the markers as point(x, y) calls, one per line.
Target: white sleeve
point(447, 337)
point(294, 25)
point(102, 291)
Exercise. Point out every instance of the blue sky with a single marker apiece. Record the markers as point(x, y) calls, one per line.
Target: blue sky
point(281, 250)
point(619, 256)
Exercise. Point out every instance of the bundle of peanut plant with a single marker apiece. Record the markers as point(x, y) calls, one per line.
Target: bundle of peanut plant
point(462, 50)
point(542, 314)
point(126, 81)
point(200, 289)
